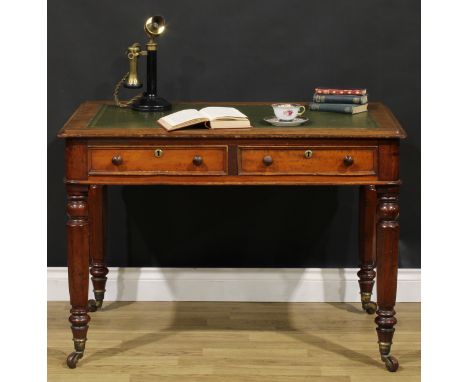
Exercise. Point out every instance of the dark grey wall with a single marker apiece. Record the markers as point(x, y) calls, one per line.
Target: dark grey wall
point(238, 50)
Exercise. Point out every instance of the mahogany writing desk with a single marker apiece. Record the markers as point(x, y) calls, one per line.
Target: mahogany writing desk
point(107, 145)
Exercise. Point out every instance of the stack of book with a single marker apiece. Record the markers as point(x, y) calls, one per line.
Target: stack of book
point(349, 101)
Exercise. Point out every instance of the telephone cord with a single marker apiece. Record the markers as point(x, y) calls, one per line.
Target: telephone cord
point(116, 94)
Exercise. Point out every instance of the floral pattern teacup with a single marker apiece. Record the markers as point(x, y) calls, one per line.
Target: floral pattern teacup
point(287, 111)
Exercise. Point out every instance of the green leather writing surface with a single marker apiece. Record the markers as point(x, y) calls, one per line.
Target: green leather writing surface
point(114, 117)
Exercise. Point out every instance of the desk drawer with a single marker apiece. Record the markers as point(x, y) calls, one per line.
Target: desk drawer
point(321, 160)
point(169, 160)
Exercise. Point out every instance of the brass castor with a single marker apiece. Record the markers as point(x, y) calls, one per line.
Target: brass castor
point(370, 307)
point(391, 363)
point(73, 358)
point(94, 305)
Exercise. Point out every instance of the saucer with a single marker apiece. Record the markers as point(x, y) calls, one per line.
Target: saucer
point(277, 122)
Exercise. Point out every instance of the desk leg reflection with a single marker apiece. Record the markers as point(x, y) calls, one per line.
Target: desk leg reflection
point(388, 232)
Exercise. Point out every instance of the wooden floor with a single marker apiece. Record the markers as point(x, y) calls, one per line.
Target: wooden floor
point(226, 341)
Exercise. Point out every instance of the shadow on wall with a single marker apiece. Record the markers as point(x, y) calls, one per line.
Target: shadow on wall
point(230, 226)
point(56, 201)
point(240, 229)
point(234, 227)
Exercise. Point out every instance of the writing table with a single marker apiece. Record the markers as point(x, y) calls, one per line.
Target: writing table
point(106, 145)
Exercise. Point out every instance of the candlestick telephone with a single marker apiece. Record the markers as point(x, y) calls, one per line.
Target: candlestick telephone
point(148, 100)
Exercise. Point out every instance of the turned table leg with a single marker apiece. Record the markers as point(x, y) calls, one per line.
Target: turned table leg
point(78, 261)
point(97, 238)
point(388, 232)
point(367, 218)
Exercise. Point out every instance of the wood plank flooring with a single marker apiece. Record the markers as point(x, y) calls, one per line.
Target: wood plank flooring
point(232, 341)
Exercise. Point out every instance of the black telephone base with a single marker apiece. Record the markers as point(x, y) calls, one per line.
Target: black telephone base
point(150, 103)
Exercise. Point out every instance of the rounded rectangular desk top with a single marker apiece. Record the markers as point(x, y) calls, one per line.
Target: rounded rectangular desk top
point(101, 119)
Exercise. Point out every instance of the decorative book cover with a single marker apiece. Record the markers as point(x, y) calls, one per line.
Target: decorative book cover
point(341, 91)
point(360, 100)
point(338, 107)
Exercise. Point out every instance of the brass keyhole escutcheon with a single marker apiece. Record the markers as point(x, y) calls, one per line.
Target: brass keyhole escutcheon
point(308, 154)
point(158, 153)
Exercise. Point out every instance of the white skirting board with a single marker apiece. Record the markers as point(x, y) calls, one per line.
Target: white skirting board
point(234, 284)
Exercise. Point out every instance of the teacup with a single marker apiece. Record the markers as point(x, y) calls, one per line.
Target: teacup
point(287, 111)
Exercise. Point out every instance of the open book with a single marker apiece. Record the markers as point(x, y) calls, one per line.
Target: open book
point(214, 118)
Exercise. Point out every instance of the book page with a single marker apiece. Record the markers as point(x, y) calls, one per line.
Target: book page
point(232, 124)
point(182, 116)
point(215, 112)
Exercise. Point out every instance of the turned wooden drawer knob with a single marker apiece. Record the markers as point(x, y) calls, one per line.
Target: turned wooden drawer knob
point(267, 160)
point(197, 160)
point(117, 160)
point(348, 160)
